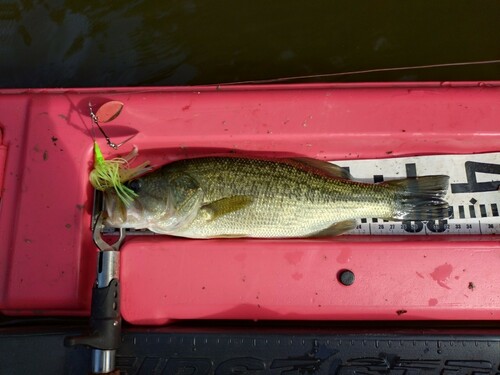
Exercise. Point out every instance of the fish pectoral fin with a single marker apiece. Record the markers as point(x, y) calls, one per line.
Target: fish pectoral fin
point(224, 206)
point(328, 168)
point(336, 229)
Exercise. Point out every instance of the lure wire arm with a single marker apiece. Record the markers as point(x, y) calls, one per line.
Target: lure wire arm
point(95, 121)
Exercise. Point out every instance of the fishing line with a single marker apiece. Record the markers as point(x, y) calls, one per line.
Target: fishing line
point(358, 72)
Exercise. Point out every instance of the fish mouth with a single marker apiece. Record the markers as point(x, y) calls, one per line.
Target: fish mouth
point(118, 215)
point(115, 210)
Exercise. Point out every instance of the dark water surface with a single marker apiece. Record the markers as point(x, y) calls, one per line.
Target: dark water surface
point(83, 43)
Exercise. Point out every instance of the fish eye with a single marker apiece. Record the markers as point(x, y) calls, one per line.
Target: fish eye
point(135, 185)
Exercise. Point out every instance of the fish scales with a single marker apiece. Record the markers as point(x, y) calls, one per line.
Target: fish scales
point(287, 200)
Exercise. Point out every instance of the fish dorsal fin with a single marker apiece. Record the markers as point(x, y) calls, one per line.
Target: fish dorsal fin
point(328, 168)
point(224, 206)
point(336, 229)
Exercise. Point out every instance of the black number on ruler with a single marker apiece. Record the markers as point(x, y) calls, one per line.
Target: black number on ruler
point(417, 226)
point(472, 186)
point(412, 227)
point(439, 228)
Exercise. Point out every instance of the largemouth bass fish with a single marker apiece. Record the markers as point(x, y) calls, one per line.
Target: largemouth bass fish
point(221, 197)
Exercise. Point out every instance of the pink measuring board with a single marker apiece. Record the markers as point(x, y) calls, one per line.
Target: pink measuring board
point(47, 258)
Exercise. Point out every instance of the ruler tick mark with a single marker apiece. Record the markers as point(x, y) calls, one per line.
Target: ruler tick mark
point(411, 170)
point(461, 212)
point(451, 212)
point(472, 211)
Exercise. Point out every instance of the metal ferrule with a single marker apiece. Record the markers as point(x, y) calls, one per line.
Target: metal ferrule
point(103, 361)
point(108, 267)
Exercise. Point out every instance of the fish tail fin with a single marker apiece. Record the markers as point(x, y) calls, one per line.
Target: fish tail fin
point(421, 198)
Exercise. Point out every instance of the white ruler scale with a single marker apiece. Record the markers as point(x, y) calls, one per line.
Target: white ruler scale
point(474, 194)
